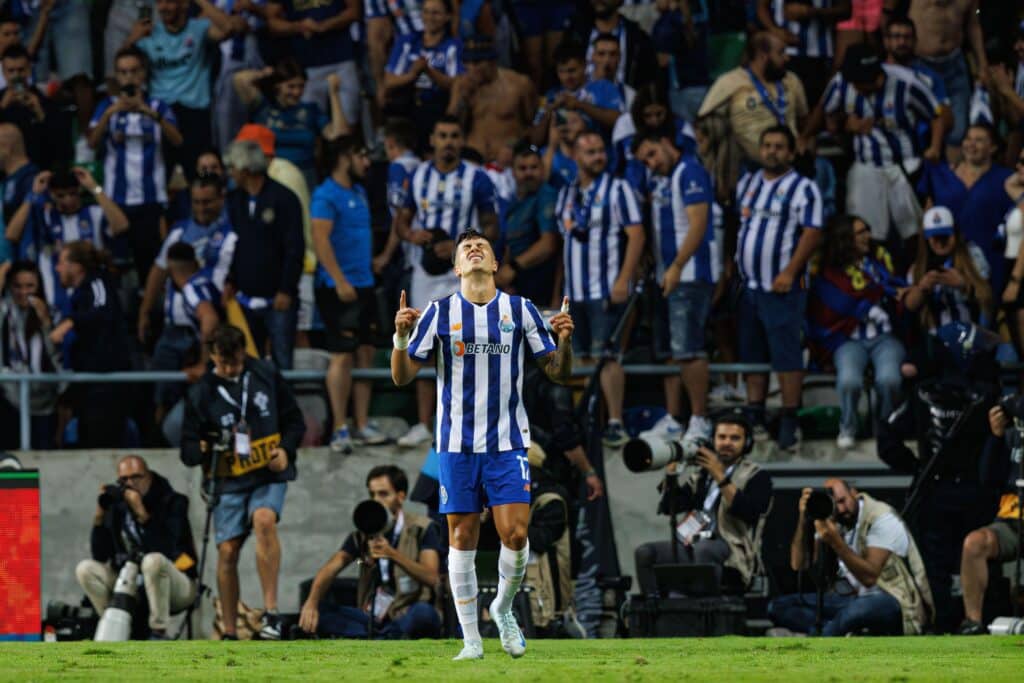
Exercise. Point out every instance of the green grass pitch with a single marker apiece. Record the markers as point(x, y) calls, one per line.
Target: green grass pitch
point(947, 658)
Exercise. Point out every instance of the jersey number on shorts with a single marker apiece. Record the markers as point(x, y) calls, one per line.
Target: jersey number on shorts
point(524, 466)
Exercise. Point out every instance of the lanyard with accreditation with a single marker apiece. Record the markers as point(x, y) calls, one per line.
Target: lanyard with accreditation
point(248, 455)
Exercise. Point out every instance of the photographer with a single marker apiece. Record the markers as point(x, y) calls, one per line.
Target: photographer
point(722, 500)
point(1000, 540)
point(882, 584)
point(141, 519)
point(398, 573)
point(243, 426)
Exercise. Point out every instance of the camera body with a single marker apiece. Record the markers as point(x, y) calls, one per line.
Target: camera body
point(820, 506)
point(130, 90)
point(1013, 406)
point(112, 495)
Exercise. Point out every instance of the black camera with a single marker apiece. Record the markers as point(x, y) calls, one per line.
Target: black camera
point(372, 518)
point(129, 90)
point(112, 495)
point(820, 506)
point(1013, 406)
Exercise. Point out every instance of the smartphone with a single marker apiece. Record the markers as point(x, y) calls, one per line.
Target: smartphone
point(560, 117)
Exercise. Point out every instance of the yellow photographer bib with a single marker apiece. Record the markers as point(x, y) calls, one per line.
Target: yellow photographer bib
point(259, 457)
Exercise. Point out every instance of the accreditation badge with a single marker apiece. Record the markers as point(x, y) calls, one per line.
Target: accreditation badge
point(243, 444)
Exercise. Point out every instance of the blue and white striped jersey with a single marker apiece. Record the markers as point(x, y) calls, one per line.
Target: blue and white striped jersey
point(950, 305)
point(406, 15)
point(198, 289)
point(133, 166)
point(689, 184)
point(399, 181)
point(594, 221)
point(479, 352)
point(897, 109)
point(53, 230)
point(450, 201)
point(214, 245)
point(815, 35)
point(773, 215)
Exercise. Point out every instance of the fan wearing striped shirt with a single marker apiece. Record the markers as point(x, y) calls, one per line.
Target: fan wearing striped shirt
point(477, 338)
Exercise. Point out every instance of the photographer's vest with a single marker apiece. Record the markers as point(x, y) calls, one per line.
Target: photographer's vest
point(409, 545)
point(550, 595)
point(904, 580)
point(743, 541)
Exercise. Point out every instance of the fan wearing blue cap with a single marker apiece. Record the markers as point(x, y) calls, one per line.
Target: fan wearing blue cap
point(949, 276)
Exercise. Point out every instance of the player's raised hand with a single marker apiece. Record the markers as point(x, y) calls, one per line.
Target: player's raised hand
point(406, 317)
point(561, 322)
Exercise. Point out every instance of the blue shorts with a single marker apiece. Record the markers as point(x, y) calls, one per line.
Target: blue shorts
point(595, 320)
point(683, 319)
point(233, 515)
point(771, 328)
point(537, 17)
point(472, 481)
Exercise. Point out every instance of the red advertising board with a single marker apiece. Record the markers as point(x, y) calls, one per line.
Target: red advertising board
point(20, 556)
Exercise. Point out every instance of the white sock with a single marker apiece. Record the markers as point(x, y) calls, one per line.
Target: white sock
point(511, 569)
point(462, 575)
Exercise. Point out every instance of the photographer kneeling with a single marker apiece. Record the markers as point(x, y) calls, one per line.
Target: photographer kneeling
point(722, 500)
point(398, 572)
point(882, 585)
point(243, 426)
point(1000, 540)
point(141, 519)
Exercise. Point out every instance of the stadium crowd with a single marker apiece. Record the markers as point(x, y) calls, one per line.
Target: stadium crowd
point(825, 204)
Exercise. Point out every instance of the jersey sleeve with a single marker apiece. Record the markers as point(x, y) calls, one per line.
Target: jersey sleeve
point(321, 207)
point(538, 337)
point(833, 97)
point(695, 184)
point(161, 258)
point(398, 61)
point(811, 208)
point(421, 341)
point(398, 185)
point(921, 100)
point(453, 64)
point(625, 206)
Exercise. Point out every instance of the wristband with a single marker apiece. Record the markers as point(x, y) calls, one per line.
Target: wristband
point(401, 343)
point(589, 473)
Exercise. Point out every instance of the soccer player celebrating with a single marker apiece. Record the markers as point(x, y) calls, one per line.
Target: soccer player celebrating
point(478, 337)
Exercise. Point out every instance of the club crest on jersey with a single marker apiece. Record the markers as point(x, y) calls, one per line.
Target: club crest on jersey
point(444, 495)
point(267, 215)
point(506, 324)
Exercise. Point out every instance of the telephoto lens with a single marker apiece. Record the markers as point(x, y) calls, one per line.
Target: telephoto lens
point(371, 518)
point(820, 505)
point(644, 454)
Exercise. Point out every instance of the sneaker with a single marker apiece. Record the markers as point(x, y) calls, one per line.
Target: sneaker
point(789, 434)
point(417, 436)
point(969, 627)
point(614, 435)
point(341, 441)
point(270, 626)
point(665, 428)
point(698, 428)
point(845, 441)
point(727, 393)
point(370, 436)
point(512, 640)
point(471, 649)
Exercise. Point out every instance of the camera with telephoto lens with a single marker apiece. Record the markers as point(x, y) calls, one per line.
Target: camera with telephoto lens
point(820, 506)
point(129, 90)
point(112, 495)
point(1013, 406)
point(644, 454)
point(372, 518)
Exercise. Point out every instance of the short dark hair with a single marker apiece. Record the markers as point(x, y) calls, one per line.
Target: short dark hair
point(656, 135)
point(604, 38)
point(901, 20)
point(568, 50)
point(469, 234)
point(402, 131)
point(181, 252)
point(395, 475)
point(227, 340)
point(735, 417)
point(343, 146)
point(133, 51)
point(15, 51)
point(63, 179)
point(784, 131)
point(449, 120)
point(208, 180)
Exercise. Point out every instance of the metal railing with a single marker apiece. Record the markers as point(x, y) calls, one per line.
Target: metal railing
point(25, 380)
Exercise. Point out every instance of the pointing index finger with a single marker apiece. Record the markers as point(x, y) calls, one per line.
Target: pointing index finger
point(565, 304)
point(401, 300)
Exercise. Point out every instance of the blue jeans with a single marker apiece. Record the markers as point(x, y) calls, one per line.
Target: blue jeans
point(953, 70)
point(885, 353)
point(420, 621)
point(877, 612)
point(279, 327)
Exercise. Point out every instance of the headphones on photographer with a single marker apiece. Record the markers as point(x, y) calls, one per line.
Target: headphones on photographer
point(736, 416)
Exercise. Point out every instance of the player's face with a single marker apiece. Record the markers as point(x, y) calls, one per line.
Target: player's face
point(475, 256)
point(528, 172)
point(68, 200)
point(290, 92)
point(383, 492)
point(899, 42)
point(570, 74)
point(654, 157)
point(447, 142)
point(207, 204)
point(590, 154)
point(606, 59)
point(776, 155)
point(729, 440)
